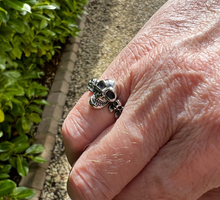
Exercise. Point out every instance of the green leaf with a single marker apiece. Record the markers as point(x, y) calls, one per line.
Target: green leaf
point(13, 162)
point(17, 40)
point(30, 92)
point(23, 99)
point(19, 128)
point(70, 22)
point(6, 128)
point(35, 118)
point(22, 166)
point(6, 187)
point(16, 101)
point(5, 156)
point(41, 93)
point(11, 63)
point(22, 193)
point(41, 102)
point(20, 144)
point(17, 52)
point(45, 5)
point(35, 149)
point(17, 24)
point(38, 159)
point(5, 146)
point(49, 56)
point(9, 118)
point(21, 147)
point(33, 74)
point(15, 90)
point(48, 32)
point(42, 38)
point(39, 16)
point(12, 74)
point(17, 110)
point(8, 103)
point(27, 52)
point(43, 24)
point(20, 139)
point(2, 62)
point(36, 85)
point(1, 134)
point(35, 108)
point(70, 5)
point(30, 2)
point(5, 46)
point(42, 49)
point(58, 30)
point(18, 5)
point(6, 33)
point(26, 123)
point(2, 66)
point(5, 169)
point(3, 10)
point(4, 175)
point(4, 15)
point(2, 116)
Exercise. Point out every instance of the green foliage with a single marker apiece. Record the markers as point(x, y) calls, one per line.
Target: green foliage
point(28, 30)
point(8, 190)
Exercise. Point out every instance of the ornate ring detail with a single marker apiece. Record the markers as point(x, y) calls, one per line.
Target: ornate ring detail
point(105, 93)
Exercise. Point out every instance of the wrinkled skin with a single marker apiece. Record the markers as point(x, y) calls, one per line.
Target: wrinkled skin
point(166, 143)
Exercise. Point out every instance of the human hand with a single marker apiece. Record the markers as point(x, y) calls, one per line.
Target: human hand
point(165, 145)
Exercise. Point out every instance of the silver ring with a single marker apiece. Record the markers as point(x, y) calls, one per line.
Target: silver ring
point(105, 93)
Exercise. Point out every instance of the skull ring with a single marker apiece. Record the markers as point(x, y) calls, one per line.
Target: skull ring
point(104, 93)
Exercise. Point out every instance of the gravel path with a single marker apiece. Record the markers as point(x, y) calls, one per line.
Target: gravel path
point(110, 25)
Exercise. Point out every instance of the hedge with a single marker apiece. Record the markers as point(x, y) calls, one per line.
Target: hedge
point(28, 30)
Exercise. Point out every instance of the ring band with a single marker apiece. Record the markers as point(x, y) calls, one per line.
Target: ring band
point(105, 93)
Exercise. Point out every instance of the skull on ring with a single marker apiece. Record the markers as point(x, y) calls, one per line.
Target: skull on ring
point(116, 107)
point(104, 92)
